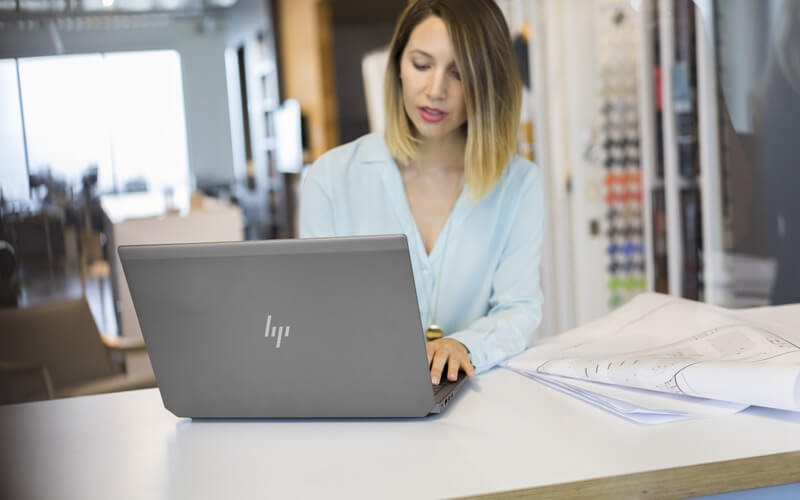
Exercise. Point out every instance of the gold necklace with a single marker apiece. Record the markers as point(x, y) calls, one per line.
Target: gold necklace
point(434, 330)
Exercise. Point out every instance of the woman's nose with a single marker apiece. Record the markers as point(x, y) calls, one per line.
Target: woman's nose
point(436, 86)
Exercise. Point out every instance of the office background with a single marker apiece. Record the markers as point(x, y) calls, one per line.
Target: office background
point(664, 129)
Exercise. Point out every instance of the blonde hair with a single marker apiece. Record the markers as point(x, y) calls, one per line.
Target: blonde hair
point(484, 57)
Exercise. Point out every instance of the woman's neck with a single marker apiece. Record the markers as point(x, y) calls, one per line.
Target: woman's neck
point(445, 154)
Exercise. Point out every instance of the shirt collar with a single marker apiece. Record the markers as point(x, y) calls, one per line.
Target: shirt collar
point(374, 150)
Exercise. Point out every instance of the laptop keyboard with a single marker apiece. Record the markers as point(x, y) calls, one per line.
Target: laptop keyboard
point(444, 383)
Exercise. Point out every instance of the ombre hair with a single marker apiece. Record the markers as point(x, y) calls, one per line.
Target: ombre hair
point(486, 63)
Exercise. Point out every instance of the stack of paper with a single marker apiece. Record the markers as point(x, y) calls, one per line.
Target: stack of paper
point(661, 358)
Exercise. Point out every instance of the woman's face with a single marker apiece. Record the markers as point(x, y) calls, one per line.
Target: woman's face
point(433, 95)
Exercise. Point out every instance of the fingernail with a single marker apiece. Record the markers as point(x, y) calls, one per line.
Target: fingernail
point(435, 380)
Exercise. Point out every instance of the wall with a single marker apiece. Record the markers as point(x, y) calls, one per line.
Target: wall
point(359, 27)
point(306, 56)
point(352, 42)
point(588, 250)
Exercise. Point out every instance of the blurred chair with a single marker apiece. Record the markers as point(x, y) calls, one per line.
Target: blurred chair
point(9, 276)
point(55, 350)
point(94, 265)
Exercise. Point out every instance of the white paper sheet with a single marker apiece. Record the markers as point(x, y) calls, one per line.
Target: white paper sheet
point(679, 347)
point(637, 405)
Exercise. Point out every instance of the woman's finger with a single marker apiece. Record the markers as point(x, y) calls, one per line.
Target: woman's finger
point(439, 359)
point(466, 365)
point(455, 361)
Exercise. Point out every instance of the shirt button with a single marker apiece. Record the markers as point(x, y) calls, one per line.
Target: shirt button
point(425, 272)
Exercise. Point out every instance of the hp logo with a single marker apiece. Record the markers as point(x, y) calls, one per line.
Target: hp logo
point(277, 331)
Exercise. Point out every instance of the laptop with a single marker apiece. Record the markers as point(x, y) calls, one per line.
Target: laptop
point(309, 328)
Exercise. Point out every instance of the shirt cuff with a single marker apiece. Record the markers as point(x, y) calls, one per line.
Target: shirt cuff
point(472, 341)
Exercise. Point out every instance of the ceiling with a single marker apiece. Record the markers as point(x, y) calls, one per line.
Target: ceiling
point(79, 7)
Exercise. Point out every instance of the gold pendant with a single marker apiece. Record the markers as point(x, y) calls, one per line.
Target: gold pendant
point(434, 332)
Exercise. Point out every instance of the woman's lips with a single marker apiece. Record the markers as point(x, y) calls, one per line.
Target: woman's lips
point(432, 115)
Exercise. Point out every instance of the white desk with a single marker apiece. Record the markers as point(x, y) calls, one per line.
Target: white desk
point(503, 432)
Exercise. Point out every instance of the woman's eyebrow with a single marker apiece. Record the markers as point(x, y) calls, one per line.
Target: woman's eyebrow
point(421, 52)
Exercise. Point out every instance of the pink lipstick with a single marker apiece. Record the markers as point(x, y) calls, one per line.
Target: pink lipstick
point(432, 115)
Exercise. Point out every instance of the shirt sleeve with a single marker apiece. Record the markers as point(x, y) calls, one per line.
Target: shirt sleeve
point(317, 216)
point(515, 304)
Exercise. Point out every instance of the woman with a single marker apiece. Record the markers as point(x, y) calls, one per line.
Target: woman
point(445, 174)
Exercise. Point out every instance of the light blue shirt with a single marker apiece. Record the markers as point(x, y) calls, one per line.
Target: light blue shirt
point(483, 271)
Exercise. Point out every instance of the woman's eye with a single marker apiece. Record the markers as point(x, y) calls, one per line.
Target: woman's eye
point(456, 74)
point(421, 67)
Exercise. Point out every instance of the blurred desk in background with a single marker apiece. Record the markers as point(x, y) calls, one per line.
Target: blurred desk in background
point(157, 218)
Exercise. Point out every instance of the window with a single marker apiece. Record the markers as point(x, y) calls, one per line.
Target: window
point(13, 172)
point(66, 123)
point(122, 113)
point(145, 109)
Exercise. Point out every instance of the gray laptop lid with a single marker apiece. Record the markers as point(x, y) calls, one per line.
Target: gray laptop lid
point(289, 328)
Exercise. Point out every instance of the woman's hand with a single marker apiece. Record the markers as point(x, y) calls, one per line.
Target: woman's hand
point(451, 352)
